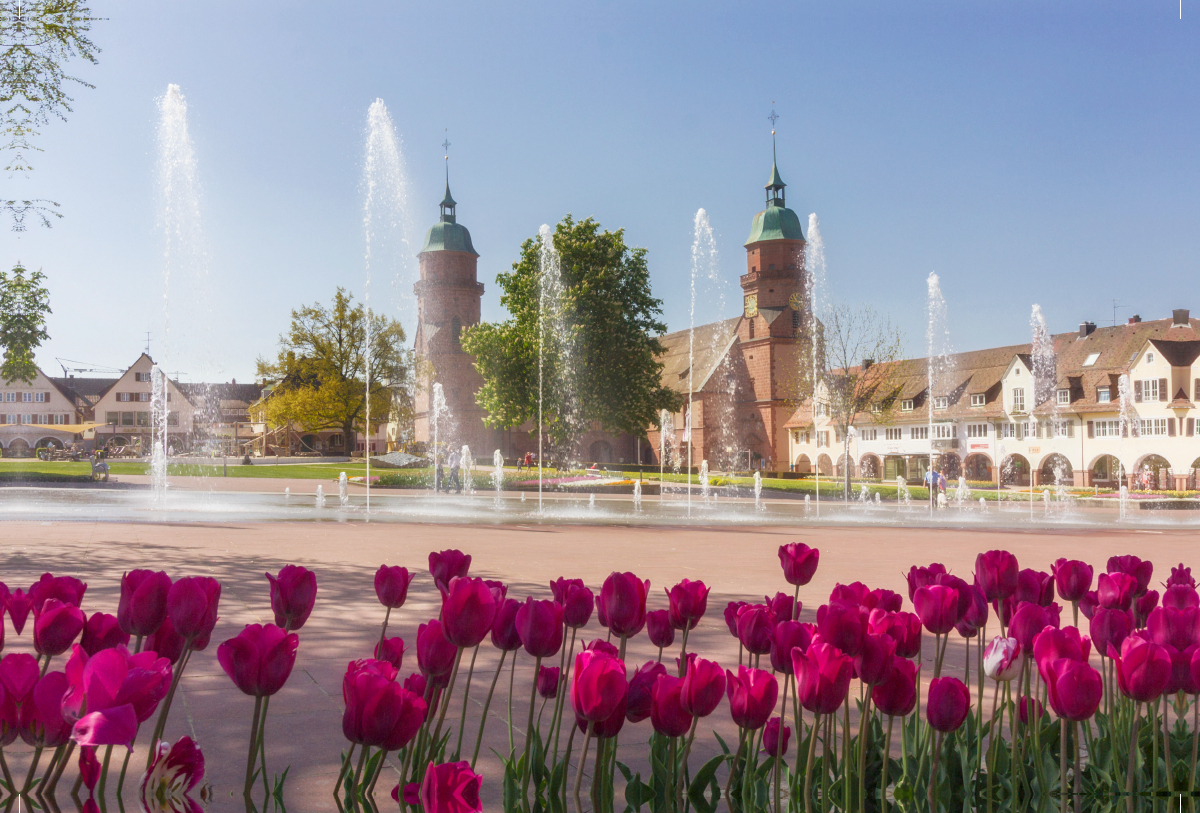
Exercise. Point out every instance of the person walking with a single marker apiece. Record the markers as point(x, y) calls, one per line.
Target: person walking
point(454, 462)
point(931, 483)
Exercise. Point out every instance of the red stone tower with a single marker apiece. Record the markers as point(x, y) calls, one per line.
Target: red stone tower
point(448, 299)
point(774, 306)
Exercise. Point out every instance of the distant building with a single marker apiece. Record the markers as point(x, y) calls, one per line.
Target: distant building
point(29, 413)
point(987, 424)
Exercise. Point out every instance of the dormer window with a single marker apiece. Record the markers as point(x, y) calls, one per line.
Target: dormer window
point(906, 405)
point(1018, 399)
point(1104, 395)
point(1064, 397)
point(941, 402)
point(977, 399)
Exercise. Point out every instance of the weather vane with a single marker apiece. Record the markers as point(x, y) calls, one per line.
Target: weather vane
point(773, 118)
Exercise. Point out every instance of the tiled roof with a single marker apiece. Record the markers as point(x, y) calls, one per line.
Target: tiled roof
point(711, 345)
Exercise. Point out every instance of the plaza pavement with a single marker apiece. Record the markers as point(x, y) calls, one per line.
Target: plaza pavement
point(304, 726)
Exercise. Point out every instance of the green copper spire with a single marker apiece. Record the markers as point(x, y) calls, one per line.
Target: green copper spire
point(448, 201)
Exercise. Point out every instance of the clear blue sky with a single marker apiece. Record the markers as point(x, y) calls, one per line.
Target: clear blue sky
point(1026, 151)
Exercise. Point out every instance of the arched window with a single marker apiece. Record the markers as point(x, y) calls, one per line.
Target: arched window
point(796, 323)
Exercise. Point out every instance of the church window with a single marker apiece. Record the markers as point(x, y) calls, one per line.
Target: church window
point(796, 322)
point(751, 328)
point(456, 328)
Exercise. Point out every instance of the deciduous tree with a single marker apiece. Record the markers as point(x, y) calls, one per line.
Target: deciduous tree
point(24, 303)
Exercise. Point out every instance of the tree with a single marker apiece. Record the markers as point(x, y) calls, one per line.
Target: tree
point(319, 374)
point(24, 303)
point(37, 39)
point(598, 334)
point(859, 347)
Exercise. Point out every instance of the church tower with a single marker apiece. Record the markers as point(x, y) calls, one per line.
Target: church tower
point(775, 302)
point(448, 300)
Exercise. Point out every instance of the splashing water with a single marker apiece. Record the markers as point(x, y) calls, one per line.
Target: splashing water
point(320, 497)
point(158, 425)
point(758, 506)
point(938, 353)
point(440, 425)
point(343, 491)
point(1045, 376)
point(498, 475)
point(814, 265)
point(704, 490)
point(704, 264)
point(637, 495)
point(287, 494)
point(903, 495)
point(466, 470)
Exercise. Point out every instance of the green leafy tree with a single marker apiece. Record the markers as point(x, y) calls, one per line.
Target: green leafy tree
point(319, 375)
point(24, 303)
point(37, 40)
point(598, 337)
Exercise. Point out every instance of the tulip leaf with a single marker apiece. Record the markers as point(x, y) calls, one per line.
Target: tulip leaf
point(637, 792)
point(706, 780)
point(511, 791)
point(721, 740)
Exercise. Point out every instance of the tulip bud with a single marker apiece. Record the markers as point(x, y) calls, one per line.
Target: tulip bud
point(539, 624)
point(1116, 590)
point(66, 589)
point(1110, 628)
point(1140, 570)
point(1072, 578)
point(873, 663)
point(773, 744)
point(598, 685)
point(756, 624)
point(192, 607)
point(949, 703)
point(504, 629)
point(997, 574)
point(451, 786)
point(881, 599)
point(391, 585)
point(903, 628)
point(1089, 603)
point(854, 593)
point(1142, 608)
point(448, 564)
point(102, 632)
point(897, 696)
point(391, 650)
point(166, 642)
point(786, 636)
point(937, 607)
point(259, 659)
point(547, 681)
point(659, 629)
point(623, 597)
point(1075, 689)
point(468, 611)
point(667, 715)
point(688, 603)
point(1180, 597)
point(1035, 586)
point(843, 626)
point(1180, 575)
point(577, 601)
point(1051, 644)
point(703, 685)
point(731, 613)
point(1029, 707)
point(293, 594)
point(435, 654)
point(143, 604)
point(637, 706)
point(19, 605)
point(923, 576)
point(822, 677)
point(56, 626)
point(799, 563)
point(1028, 621)
point(785, 607)
point(1002, 659)
point(1143, 669)
point(752, 695)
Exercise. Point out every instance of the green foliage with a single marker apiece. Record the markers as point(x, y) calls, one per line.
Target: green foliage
point(320, 372)
point(601, 367)
point(37, 40)
point(24, 303)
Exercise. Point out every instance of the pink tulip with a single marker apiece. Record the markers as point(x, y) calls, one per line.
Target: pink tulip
point(842, 625)
point(752, 695)
point(623, 598)
point(391, 585)
point(1110, 628)
point(176, 770)
point(1075, 689)
point(42, 722)
point(1052, 644)
point(784, 606)
point(638, 701)
point(1072, 578)
point(293, 594)
point(435, 654)
point(602, 646)
point(18, 676)
point(577, 601)
point(192, 607)
point(504, 629)
point(1143, 669)
point(597, 685)
point(166, 642)
point(1029, 706)
point(66, 589)
point(976, 616)
point(112, 726)
point(1002, 659)
point(1141, 571)
point(937, 607)
point(547, 681)
point(1143, 606)
point(540, 626)
point(451, 787)
point(102, 631)
point(56, 626)
point(1180, 575)
point(468, 611)
point(1116, 590)
point(89, 767)
point(873, 663)
point(918, 577)
point(731, 613)
point(1028, 621)
point(822, 677)
point(880, 599)
point(688, 601)
point(1180, 597)
point(703, 685)
point(799, 563)
point(448, 564)
point(755, 625)
point(391, 650)
point(1036, 587)
point(949, 703)
point(1177, 628)
point(897, 696)
point(773, 744)
point(903, 628)
point(659, 629)
point(143, 605)
point(1089, 603)
point(259, 659)
point(667, 715)
point(112, 678)
point(786, 636)
point(19, 606)
point(997, 573)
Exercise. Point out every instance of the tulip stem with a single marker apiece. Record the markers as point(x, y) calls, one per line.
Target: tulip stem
point(808, 767)
point(733, 765)
point(487, 704)
point(1062, 764)
point(437, 732)
point(358, 769)
point(253, 749)
point(462, 723)
point(58, 771)
point(337, 787)
point(887, 759)
point(994, 731)
point(383, 632)
point(561, 703)
point(375, 776)
point(1167, 747)
point(1077, 779)
point(687, 749)
point(525, 772)
point(262, 747)
point(582, 761)
point(161, 725)
point(1133, 749)
point(864, 732)
point(125, 767)
point(50, 766)
point(37, 755)
point(7, 774)
point(1195, 743)
point(682, 652)
point(780, 741)
point(937, 752)
point(846, 752)
point(104, 770)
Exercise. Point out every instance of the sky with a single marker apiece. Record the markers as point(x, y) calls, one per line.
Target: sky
point(1026, 152)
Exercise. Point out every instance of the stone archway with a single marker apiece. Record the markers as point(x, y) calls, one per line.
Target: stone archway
point(1014, 471)
point(870, 467)
point(949, 465)
point(1152, 473)
point(1107, 470)
point(309, 443)
point(18, 447)
point(1056, 470)
point(803, 464)
point(825, 465)
point(841, 467)
point(978, 467)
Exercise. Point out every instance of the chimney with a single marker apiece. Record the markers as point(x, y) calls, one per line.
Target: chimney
point(1086, 328)
point(1133, 320)
point(1179, 318)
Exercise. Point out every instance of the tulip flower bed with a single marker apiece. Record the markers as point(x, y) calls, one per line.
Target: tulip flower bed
point(845, 711)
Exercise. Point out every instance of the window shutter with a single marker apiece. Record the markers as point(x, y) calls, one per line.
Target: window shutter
point(1137, 391)
point(1196, 388)
point(1091, 430)
point(1070, 429)
point(1191, 427)
point(1162, 389)
point(1170, 427)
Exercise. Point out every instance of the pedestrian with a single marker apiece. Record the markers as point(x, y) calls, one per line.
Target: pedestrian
point(453, 482)
point(931, 483)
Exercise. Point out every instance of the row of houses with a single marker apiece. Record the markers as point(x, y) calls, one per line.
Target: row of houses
point(1117, 405)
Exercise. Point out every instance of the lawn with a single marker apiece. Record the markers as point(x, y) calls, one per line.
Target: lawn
point(37, 470)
